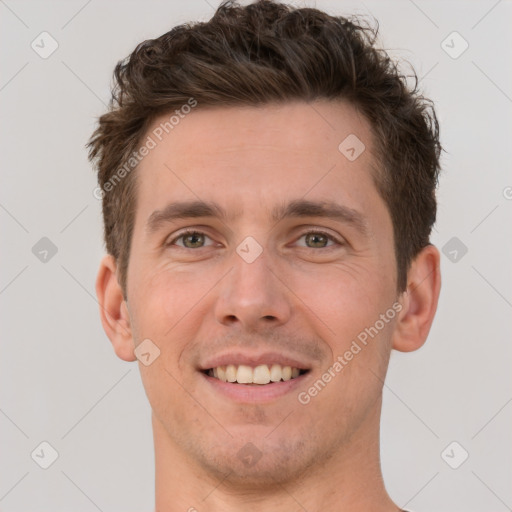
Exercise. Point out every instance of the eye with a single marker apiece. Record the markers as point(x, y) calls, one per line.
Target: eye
point(191, 240)
point(318, 239)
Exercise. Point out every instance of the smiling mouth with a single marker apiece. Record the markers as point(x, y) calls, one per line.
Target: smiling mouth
point(259, 375)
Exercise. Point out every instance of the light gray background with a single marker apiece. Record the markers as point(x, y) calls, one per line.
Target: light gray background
point(60, 380)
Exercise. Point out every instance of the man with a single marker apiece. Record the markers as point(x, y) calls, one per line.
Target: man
point(268, 185)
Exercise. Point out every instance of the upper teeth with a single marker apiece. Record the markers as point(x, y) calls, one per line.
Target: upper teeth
point(262, 374)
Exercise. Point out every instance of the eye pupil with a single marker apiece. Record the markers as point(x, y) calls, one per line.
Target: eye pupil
point(310, 237)
point(193, 236)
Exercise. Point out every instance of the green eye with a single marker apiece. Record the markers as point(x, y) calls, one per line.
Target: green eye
point(195, 239)
point(190, 240)
point(319, 240)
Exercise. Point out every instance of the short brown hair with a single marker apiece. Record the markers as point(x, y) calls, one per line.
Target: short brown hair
point(268, 52)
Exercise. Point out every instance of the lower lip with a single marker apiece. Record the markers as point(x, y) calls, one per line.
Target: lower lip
point(255, 393)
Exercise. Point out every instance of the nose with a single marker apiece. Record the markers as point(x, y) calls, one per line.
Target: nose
point(253, 295)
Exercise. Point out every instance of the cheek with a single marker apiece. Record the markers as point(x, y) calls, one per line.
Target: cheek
point(171, 308)
point(162, 308)
point(347, 304)
point(346, 299)
point(165, 297)
point(159, 303)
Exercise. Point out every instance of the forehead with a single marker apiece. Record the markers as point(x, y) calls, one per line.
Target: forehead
point(250, 159)
point(303, 128)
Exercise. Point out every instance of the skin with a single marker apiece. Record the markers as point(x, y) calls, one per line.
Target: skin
point(308, 298)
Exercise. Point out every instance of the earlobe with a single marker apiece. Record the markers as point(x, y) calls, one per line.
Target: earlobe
point(419, 301)
point(113, 310)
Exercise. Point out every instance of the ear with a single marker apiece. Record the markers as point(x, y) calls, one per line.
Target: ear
point(113, 310)
point(419, 301)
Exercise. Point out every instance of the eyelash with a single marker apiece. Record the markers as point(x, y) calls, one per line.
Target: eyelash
point(309, 232)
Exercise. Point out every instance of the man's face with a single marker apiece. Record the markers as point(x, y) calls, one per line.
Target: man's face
point(212, 300)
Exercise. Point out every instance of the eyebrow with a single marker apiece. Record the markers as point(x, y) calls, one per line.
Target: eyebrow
point(296, 208)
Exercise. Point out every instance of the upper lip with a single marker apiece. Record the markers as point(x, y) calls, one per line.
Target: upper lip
point(238, 358)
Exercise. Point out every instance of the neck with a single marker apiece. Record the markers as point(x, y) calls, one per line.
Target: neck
point(349, 480)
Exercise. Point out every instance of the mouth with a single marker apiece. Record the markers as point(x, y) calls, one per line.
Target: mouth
point(251, 378)
point(260, 375)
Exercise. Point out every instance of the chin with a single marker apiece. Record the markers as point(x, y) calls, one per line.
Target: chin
point(256, 463)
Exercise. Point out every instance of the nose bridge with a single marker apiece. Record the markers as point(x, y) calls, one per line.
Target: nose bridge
point(251, 292)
